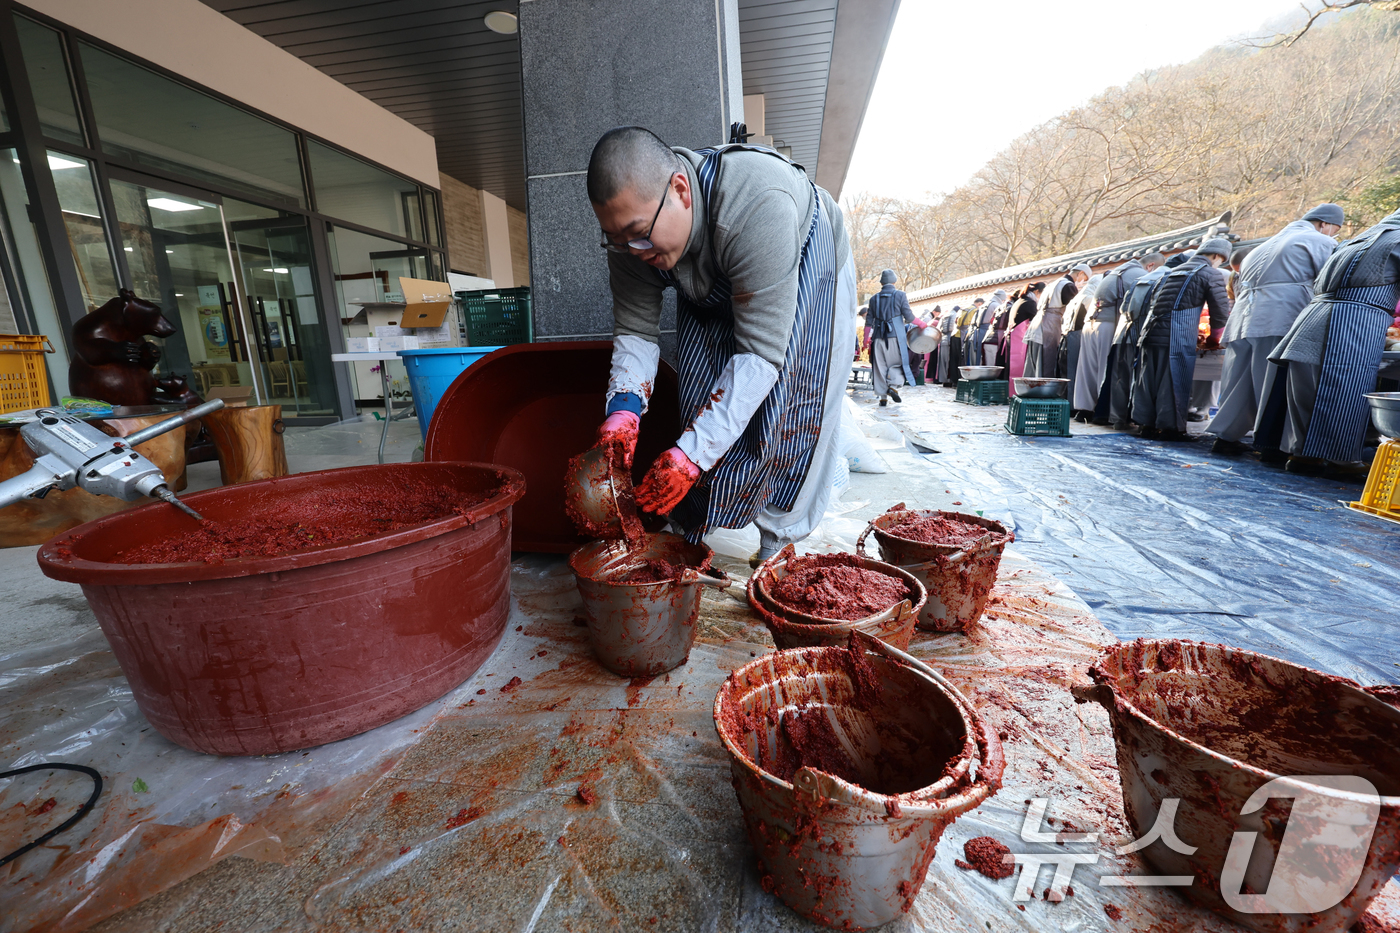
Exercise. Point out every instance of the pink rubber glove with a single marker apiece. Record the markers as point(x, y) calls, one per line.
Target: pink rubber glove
point(621, 427)
point(667, 482)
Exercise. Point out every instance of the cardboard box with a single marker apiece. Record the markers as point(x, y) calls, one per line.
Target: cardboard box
point(361, 344)
point(395, 344)
point(445, 336)
point(425, 303)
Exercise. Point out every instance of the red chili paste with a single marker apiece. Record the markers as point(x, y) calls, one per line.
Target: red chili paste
point(936, 529)
point(837, 586)
point(313, 521)
point(651, 571)
point(985, 854)
point(620, 479)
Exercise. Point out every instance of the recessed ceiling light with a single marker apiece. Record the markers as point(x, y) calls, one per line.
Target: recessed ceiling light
point(170, 252)
point(502, 22)
point(179, 295)
point(170, 204)
point(127, 248)
point(278, 271)
point(56, 162)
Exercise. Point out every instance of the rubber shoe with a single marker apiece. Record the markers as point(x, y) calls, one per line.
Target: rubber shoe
point(883, 403)
point(1306, 466)
point(1272, 455)
point(1348, 468)
point(1228, 448)
point(895, 395)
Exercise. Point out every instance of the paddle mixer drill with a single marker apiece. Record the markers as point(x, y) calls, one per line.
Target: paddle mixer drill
point(70, 452)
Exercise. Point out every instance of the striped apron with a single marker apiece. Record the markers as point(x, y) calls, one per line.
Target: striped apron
point(1182, 361)
point(767, 466)
point(1355, 341)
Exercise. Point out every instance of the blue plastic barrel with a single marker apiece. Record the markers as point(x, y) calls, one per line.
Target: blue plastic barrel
point(430, 372)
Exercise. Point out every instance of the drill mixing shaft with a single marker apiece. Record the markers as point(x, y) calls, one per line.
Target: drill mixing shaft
point(70, 452)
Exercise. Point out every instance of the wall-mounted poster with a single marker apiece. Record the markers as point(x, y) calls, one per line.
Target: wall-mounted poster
point(211, 324)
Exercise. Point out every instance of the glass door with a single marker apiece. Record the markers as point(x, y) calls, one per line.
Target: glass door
point(178, 255)
point(235, 279)
point(272, 251)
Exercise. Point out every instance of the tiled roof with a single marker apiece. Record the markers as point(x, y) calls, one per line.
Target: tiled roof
point(1170, 241)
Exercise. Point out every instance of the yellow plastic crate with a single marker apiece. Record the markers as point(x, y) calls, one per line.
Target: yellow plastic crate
point(1382, 493)
point(23, 381)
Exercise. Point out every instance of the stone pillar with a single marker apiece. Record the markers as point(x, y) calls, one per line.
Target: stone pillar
point(671, 66)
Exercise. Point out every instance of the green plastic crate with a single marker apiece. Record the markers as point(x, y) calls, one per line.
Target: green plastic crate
point(982, 391)
point(1039, 416)
point(497, 317)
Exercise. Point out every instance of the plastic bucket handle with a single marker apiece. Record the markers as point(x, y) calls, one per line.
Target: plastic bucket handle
point(989, 774)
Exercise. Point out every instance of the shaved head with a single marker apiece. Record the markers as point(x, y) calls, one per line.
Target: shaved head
point(629, 158)
point(1153, 259)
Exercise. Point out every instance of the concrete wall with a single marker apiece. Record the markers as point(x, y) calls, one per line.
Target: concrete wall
point(466, 233)
point(207, 48)
point(590, 65)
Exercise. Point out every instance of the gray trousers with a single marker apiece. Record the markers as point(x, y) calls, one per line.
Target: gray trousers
point(1120, 399)
point(886, 365)
point(1041, 364)
point(1093, 361)
point(1204, 395)
point(1154, 399)
point(1301, 391)
point(1242, 386)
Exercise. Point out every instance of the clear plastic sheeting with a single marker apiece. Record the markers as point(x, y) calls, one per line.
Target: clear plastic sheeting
point(545, 794)
point(1170, 541)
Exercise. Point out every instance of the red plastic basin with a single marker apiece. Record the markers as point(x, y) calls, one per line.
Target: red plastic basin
point(531, 407)
point(262, 655)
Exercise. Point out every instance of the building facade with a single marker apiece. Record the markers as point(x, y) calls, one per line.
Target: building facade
point(264, 171)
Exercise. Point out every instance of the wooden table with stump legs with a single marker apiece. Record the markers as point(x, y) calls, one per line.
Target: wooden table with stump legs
point(249, 442)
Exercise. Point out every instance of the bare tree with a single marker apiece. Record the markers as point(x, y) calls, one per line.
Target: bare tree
point(1314, 14)
point(1264, 132)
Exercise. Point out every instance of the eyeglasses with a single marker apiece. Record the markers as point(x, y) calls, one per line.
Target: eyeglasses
point(640, 243)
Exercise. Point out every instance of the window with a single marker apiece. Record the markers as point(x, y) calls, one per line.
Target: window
point(30, 280)
point(351, 190)
point(430, 209)
point(367, 270)
point(48, 78)
point(82, 219)
point(150, 120)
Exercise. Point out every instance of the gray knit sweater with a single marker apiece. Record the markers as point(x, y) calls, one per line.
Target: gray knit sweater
point(761, 212)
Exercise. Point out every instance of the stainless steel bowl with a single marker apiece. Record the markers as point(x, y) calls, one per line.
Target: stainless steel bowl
point(1029, 387)
point(978, 373)
point(1385, 412)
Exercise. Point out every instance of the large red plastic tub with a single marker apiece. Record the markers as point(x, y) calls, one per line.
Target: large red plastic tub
point(260, 655)
point(531, 407)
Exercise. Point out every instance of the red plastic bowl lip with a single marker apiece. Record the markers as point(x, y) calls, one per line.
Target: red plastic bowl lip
point(1122, 701)
point(100, 573)
point(480, 368)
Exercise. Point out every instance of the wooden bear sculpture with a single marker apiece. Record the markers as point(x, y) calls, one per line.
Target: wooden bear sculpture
point(111, 361)
point(175, 389)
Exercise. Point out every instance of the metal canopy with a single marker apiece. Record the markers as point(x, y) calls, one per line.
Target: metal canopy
point(434, 63)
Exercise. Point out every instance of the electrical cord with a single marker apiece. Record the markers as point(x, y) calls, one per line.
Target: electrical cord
point(82, 811)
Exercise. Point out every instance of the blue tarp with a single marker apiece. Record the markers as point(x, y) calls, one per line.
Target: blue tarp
point(1169, 540)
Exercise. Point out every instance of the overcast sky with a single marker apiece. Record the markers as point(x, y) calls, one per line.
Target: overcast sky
point(960, 80)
